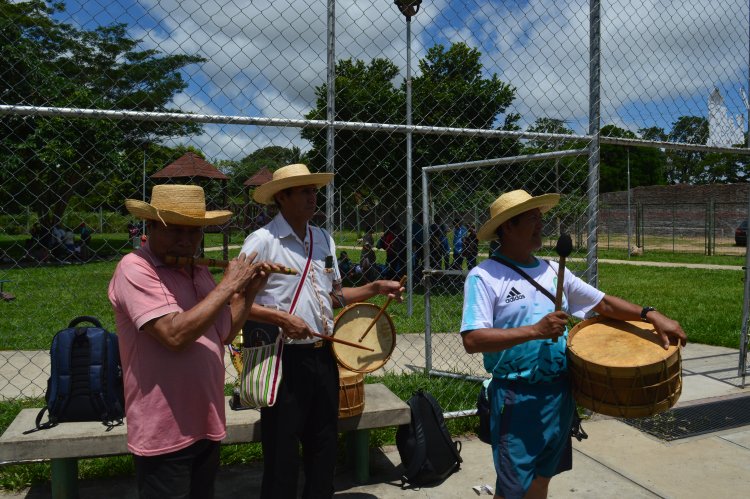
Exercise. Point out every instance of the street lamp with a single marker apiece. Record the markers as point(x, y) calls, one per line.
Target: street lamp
point(409, 8)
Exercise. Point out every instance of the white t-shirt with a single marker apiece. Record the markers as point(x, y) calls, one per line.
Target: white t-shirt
point(496, 296)
point(277, 242)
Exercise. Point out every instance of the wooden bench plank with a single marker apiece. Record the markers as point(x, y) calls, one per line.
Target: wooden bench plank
point(92, 439)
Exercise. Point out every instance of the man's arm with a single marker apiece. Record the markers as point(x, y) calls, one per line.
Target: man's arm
point(178, 330)
point(551, 326)
point(617, 308)
point(292, 326)
point(392, 289)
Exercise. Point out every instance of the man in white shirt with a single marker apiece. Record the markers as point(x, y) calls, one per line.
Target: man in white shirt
point(307, 408)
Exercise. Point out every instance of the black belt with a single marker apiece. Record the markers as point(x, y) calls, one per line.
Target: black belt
point(306, 346)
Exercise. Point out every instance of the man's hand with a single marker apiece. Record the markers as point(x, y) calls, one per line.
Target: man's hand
point(295, 328)
point(669, 329)
point(241, 272)
point(551, 326)
point(392, 289)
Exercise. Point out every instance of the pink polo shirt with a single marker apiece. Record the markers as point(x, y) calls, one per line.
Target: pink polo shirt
point(172, 399)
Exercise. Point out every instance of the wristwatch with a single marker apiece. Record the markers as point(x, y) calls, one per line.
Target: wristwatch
point(645, 311)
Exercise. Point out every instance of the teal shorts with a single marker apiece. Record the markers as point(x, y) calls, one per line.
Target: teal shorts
point(530, 426)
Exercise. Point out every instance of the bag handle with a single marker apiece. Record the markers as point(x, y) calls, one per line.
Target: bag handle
point(85, 318)
point(524, 275)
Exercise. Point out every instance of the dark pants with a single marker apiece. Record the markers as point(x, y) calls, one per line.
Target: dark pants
point(186, 473)
point(306, 412)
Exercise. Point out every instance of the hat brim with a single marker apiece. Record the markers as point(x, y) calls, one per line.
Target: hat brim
point(145, 211)
point(264, 193)
point(545, 202)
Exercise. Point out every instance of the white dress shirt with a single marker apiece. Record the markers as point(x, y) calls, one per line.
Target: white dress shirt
point(277, 243)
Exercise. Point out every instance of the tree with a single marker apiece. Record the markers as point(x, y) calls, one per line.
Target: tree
point(646, 164)
point(687, 166)
point(564, 175)
point(271, 157)
point(365, 93)
point(450, 91)
point(49, 160)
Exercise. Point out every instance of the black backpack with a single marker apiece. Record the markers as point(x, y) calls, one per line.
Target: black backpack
point(85, 383)
point(427, 451)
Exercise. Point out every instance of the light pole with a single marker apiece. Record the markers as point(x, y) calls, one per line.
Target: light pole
point(409, 8)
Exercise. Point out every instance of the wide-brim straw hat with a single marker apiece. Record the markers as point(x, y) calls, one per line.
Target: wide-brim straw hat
point(178, 205)
point(513, 203)
point(289, 176)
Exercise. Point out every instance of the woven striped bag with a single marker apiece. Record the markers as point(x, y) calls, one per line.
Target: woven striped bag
point(261, 374)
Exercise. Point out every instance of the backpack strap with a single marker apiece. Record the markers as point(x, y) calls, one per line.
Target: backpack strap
point(437, 411)
point(38, 422)
point(97, 338)
point(420, 450)
point(61, 379)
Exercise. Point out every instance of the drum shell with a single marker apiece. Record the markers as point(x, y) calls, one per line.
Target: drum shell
point(625, 391)
point(351, 393)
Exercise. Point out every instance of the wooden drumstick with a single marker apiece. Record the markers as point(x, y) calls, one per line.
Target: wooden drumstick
point(380, 312)
point(343, 342)
point(563, 248)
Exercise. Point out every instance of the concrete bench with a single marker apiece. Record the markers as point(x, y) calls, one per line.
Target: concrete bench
point(65, 443)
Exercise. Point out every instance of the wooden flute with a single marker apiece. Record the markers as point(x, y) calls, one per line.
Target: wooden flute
point(213, 262)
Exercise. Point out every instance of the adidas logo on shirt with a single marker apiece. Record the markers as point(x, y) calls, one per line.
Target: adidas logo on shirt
point(514, 295)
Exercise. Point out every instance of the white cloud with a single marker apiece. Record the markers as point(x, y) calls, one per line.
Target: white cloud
point(659, 61)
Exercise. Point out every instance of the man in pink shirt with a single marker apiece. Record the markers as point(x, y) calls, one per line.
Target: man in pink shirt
point(172, 324)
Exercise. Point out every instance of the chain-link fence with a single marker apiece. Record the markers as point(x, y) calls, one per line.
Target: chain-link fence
point(100, 100)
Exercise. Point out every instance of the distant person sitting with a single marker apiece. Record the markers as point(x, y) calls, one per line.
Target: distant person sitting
point(346, 268)
point(85, 233)
point(368, 263)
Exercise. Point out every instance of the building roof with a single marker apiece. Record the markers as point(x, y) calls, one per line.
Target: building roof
point(190, 165)
point(261, 177)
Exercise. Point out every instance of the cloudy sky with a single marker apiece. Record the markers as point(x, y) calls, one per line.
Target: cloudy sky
point(660, 60)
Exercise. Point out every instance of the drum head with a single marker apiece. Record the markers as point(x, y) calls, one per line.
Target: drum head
point(350, 324)
point(618, 344)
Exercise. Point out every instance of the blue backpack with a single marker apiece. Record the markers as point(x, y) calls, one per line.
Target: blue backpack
point(85, 383)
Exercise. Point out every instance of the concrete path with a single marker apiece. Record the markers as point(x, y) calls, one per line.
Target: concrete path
point(616, 460)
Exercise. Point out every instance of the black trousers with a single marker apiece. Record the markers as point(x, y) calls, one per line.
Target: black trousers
point(188, 473)
point(306, 413)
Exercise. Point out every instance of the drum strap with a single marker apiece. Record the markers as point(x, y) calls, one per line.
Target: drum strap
point(524, 275)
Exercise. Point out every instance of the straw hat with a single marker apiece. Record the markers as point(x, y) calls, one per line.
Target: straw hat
point(177, 204)
point(509, 205)
point(289, 176)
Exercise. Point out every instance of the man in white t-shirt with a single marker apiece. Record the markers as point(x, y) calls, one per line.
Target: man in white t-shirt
point(306, 411)
point(522, 338)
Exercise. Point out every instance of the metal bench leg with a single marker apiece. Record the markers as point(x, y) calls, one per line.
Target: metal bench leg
point(64, 478)
point(358, 446)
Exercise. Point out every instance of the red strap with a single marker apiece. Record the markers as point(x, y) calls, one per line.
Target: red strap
point(304, 274)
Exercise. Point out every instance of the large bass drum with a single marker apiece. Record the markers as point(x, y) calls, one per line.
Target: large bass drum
point(620, 368)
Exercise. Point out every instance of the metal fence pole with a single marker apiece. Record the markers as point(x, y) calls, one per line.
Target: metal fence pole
point(594, 118)
point(330, 111)
point(409, 209)
point(427, 274)
point(742, 369)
